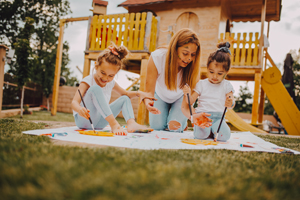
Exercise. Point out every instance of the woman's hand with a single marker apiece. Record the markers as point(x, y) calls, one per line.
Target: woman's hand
point(149, 105)
point(186, 89)
point(146, 95)
point(83, 112)
point(202, 120)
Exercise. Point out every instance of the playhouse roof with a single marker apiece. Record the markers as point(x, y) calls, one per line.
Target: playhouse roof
point(241, 10)
point(101, 3)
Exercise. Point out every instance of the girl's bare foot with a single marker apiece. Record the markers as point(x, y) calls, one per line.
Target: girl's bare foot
point(115, 126)
point(118, 130)
point(132, 126)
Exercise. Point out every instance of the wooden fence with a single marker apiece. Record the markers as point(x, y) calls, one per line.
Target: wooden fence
point(244, 51)
point(136, 31)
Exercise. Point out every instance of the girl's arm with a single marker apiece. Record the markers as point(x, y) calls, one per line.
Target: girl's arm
point(229, 102)
point(132, 94)
point(121, 91)
point(83, 87)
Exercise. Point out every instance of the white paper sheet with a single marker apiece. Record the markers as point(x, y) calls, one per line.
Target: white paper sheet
point(163, 140)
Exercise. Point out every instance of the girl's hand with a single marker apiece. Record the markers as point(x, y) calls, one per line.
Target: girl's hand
point(202, 120)
point(83, 112)
point(145, 95)
point(149, 105)
point(186, 89)
point(228, 102)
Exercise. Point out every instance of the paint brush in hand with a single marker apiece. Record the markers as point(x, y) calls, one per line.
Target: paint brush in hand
point(216, 133)
point(188, 96)
point(86, 108)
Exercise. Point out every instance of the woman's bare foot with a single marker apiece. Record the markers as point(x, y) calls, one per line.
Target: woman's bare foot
point(118, 130)
point(132, 126)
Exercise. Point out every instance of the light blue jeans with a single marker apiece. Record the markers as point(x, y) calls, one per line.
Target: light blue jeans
point(203, 133)
point(100, 109)
point(169, 112)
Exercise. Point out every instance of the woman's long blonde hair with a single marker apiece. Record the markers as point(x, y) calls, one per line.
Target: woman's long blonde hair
point(191, 72)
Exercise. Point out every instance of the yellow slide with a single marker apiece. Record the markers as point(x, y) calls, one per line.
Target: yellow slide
point(281, 100)
point(239, 123)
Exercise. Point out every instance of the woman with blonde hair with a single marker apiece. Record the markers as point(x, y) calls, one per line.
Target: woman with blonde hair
point(168, 70)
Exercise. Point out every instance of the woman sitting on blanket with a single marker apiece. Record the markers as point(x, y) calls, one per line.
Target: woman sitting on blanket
point(214, 94)
point(168, 70)
point(96, 91)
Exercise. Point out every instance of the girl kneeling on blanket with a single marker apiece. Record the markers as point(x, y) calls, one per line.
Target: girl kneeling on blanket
point(96, 91)
point(214, 94)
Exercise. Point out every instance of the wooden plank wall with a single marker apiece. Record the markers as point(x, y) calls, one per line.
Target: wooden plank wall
point(122, 29)
point(244, 51)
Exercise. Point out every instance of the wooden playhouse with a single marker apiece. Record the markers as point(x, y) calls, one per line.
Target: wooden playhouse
point(151, 23)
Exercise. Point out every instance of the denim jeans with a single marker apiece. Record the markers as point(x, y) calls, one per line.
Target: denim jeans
point(169, 112)
point(203, 133)
point(100, 109)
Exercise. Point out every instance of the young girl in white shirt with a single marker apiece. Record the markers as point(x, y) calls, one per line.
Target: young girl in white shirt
point(96, 91)
point(214, 94)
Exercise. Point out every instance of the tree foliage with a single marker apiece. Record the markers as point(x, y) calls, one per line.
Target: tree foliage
point(136, 86)
point(43, 42)
point(296, 70)
point(242, 102)
point(21, 68)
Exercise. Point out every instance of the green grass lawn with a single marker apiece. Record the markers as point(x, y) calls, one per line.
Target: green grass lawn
point(61, 117)
point(31, 167)
point(46, 116)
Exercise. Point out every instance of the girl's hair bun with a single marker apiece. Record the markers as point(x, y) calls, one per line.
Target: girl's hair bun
point(224, 44)
point(122, 51)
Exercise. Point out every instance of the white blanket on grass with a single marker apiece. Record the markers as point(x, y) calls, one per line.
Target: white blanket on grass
point(163, 140)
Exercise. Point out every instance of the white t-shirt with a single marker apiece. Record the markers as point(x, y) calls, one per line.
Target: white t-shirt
point(212, 96)
point(169, 96)
point(107, 89)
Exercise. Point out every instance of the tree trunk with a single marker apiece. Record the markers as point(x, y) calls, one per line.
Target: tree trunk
point(48, 104)
point(22, 100)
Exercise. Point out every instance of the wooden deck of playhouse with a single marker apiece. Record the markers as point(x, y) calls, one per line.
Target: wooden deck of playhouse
point(139, 33)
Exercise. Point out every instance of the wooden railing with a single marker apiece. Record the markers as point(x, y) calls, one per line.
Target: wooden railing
point(136, 31)
point(244, 51)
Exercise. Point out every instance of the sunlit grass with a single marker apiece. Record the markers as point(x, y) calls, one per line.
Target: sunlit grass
point(61, 117)
point(31, 167)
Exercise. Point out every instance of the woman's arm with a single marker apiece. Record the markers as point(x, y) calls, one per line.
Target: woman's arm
point(83, 87)
point(185, 105)
point(151, 78)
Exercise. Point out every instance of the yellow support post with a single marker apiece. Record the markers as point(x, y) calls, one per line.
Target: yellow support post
point(86, 68)
point(142, 112)
point(57, 67)
point(257, 80)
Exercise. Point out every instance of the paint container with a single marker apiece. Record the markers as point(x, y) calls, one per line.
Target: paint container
point(245, 145)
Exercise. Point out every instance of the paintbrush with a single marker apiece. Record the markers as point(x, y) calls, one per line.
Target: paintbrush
point(188, 96)
point(86, 108)
point(216, 133)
